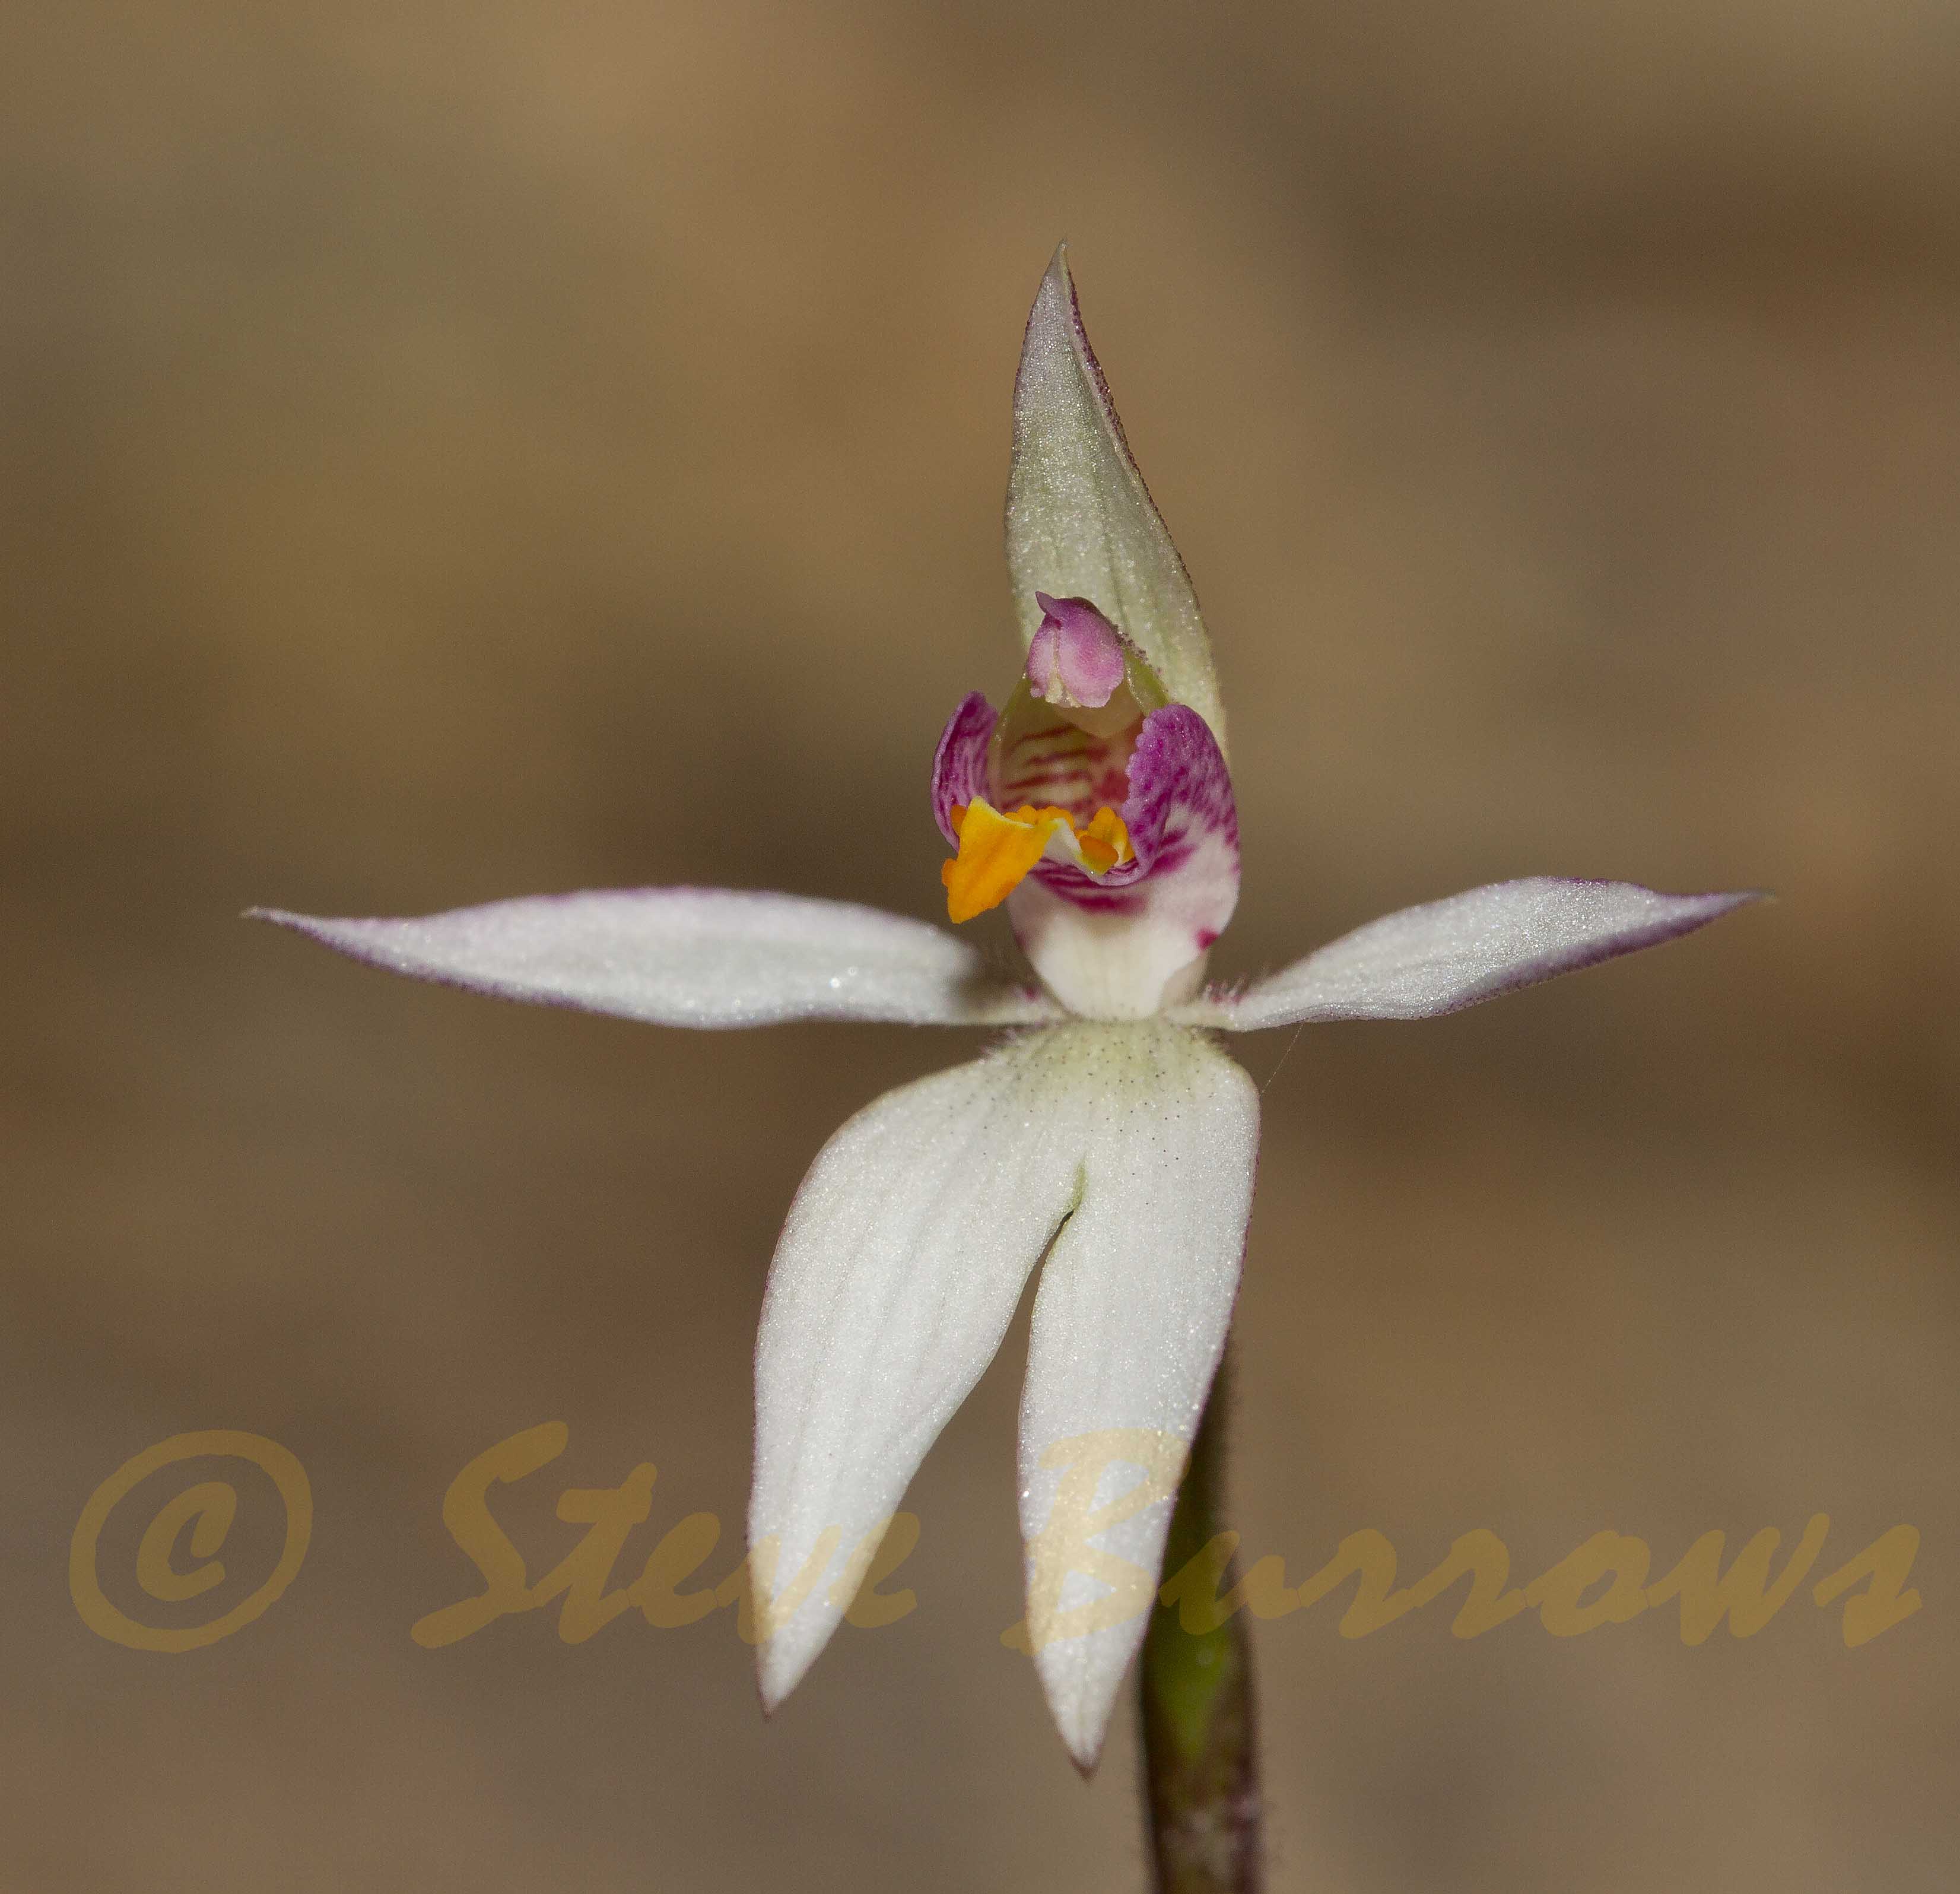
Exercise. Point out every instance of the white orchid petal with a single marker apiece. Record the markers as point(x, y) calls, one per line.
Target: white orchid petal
point(1080, 522)
point(1449, 954)
point(895, 1277)
point(692, 956)
point(1129, 1323)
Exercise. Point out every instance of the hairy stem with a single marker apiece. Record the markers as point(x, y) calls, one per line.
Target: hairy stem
point(1200, 1751)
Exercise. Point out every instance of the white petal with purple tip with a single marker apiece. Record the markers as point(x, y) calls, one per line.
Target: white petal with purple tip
point(1446, 955)
point(693, 956)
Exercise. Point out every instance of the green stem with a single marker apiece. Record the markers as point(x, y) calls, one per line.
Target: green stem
point(1201, 1751)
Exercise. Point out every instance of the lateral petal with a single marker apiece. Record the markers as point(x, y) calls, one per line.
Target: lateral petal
point(1447, 955)
point(896, 1275)
point(1080, 522)
point(692, 956)
point(1130, 1321)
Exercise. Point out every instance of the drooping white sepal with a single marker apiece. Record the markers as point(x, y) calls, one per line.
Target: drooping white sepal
point(1130, 1321)
point(1447, 955)
point(897, 1273)
point(1080, 522)
point(693, 956)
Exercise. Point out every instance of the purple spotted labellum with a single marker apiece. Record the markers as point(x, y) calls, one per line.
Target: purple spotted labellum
point(1111, 1134)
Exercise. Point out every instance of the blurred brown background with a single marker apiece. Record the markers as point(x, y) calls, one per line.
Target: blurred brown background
point(460, 451)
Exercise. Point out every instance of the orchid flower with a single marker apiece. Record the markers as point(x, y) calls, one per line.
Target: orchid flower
point(1109, 1133)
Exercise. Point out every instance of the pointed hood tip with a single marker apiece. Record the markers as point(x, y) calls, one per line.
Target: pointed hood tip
point(1057, 282)
point(1058, 286)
